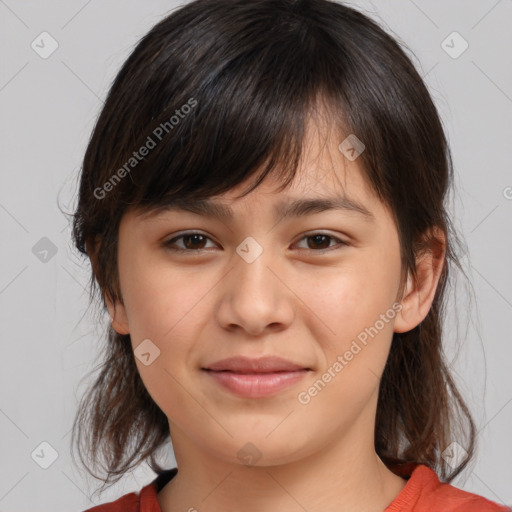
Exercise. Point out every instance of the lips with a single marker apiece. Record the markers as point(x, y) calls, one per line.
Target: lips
point(255, 378)
point(267, 364)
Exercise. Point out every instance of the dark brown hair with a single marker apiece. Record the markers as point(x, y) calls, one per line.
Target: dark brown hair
point(218, 90)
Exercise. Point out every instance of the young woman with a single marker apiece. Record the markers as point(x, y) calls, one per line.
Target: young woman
point(263, 204)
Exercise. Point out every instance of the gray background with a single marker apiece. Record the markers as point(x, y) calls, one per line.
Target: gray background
point(48, 336)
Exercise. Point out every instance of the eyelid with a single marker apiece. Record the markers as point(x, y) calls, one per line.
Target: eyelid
point(309, 234)
point(179, 235)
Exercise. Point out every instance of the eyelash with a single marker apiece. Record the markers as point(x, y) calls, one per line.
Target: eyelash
point(169, 243)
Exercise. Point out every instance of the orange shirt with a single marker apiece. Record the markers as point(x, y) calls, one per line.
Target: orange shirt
point(422, 493)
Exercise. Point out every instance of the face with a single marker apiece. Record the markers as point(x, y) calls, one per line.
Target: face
point(317, 289)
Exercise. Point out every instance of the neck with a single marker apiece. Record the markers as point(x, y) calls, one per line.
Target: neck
point(344, 476)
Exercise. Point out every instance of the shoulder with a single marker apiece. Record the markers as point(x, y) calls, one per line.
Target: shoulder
point(426, 493)
point(127, 503)
point(143, 501)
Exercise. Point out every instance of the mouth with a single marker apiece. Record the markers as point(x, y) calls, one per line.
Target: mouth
point(266, 364)
point(255, 378)
point(256, 385)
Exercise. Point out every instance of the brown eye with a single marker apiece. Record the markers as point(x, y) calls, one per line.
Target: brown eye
point(192, 242)
point(320, 241)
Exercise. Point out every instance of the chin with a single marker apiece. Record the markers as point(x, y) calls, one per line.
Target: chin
point(259, 449)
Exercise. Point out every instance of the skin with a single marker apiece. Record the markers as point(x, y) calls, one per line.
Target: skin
point(292, 301)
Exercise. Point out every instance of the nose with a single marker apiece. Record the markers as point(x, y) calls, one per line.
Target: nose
point(255, 296)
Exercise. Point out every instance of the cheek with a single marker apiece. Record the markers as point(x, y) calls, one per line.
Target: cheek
point(158, 297)
point(164, 308)
point(351, 297)
point(353, 353)
point(353, 318)
point(168, 307)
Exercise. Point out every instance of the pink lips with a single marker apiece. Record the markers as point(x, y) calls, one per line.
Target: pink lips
point(254, 378)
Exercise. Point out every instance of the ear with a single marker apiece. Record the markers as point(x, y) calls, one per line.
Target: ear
point(118, 316)
point(116, 310)
point(419, 294)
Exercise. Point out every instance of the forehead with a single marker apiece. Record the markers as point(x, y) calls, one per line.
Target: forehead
point(324, 172)
point(323, 167)
point(325, 180)
point(310, 194)
point(319, 190)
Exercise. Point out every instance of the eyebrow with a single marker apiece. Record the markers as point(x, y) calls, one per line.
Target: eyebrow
point(284, 209)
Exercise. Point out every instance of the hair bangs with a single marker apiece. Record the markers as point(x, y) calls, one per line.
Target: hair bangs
point(242, 114)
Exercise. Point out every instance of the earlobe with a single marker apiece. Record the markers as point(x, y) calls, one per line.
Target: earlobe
point(118, 317)
point(403, 318)
point(420, 292)
point(117, 312)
